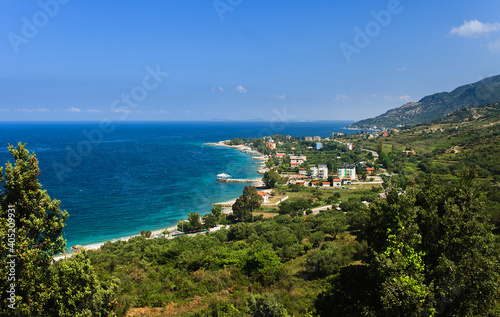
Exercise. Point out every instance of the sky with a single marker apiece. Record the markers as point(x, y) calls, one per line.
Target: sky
point(74, 60)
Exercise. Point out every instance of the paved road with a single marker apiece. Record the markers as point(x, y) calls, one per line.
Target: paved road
point(322, 208)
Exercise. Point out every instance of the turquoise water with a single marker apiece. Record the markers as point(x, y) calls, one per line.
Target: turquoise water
point(119, 179)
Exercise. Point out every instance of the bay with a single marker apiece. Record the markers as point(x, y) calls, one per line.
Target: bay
point(118, 179)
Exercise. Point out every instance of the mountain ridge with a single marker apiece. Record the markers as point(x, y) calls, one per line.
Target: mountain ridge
point(432, 107)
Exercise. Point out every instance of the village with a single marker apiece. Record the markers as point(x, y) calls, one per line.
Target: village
point(295, 168)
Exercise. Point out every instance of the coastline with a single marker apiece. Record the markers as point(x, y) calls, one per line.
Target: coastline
point(158, 233)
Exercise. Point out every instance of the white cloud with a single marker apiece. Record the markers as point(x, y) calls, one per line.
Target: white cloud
point(221, 89)
point(33, 110)
point(401, 69)
point(94, 111)
point(342, 98)
point(387, 97)
point(73, 109)
point(164, 112)
point(474, 28)
point(281, 97)
point(374, 96)
point(124, 110)
point(404, 98)
point(494, 46)
point(4, 110)
point(240, 89)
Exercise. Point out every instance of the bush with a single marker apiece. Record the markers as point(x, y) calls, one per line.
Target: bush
point(322, 263)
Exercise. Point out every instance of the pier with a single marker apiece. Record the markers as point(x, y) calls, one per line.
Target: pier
point(235, 180)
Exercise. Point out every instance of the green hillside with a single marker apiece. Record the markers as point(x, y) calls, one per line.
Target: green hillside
point(433, 107)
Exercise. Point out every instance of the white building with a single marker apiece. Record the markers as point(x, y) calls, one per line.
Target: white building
point(337, 183)
point(322, 171)
point(349, 146)
point(265, 196)
point(347, 171)
point(298, 159)
point(314, 171)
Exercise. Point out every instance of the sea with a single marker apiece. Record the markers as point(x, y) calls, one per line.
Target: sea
point(116, 179)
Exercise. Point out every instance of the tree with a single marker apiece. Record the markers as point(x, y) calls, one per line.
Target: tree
point(34, 223)
point(380, 147)
point(247, 203)
point(194, 220)
point(432, 253)
point(235, 141)
point(217, 213)
point(89, 296)
point(209, 220)
point(271, 179)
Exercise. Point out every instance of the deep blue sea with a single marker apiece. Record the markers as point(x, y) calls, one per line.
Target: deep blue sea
point(118, 179)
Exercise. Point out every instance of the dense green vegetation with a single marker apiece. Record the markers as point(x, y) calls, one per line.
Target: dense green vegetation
point(30, 231)
point(430, 248)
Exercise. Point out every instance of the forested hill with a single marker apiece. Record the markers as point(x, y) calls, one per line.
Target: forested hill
point(486, 91)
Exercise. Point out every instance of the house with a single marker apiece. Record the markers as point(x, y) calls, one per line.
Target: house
point(337, 182)
point(349, 146)
point(408, 152)
point(314, 183)
point(336, 134)
point(271, 145)
point(347, 181)
point(293, 165)
point(298, 159)
point(384, 134)
point(346, 171)
point(319, 145)
point(302, 172)
point(317, 138)
point(265, 196)
point(308, 138)
point(292, 148)
point(326, 184)
point(370, 170)
point(280, 156)
point(314, 171)
point(288, 137)
point(322, 171)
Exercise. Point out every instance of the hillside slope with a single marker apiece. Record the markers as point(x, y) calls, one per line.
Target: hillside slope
point(486, 91)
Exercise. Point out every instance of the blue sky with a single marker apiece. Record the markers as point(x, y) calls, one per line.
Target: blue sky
point(237, 59)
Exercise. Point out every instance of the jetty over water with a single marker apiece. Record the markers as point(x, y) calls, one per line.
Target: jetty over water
point(235, 180)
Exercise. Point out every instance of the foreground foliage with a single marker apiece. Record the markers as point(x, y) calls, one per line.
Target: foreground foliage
point(33, 222)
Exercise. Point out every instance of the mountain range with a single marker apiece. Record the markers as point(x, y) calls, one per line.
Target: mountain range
point(429, 108)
